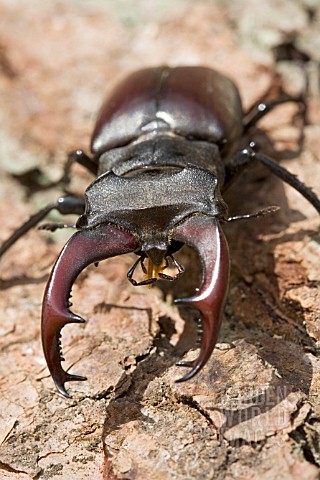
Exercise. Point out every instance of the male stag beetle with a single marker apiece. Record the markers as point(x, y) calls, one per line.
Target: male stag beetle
point(164, 149)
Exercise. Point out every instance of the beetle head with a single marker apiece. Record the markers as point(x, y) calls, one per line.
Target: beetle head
point(150, 203)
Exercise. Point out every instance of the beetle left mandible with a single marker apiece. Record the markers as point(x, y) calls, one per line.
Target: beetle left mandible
point(164, 150)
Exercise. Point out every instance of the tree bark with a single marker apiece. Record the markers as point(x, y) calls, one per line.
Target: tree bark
point(254, 411)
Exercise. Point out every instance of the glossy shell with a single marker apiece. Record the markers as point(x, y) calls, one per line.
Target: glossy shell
point(193, 102)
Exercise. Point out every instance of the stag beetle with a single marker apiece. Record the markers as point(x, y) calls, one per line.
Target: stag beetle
point(165, 147)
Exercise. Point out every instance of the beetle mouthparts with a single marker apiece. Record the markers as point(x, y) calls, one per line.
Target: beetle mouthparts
point(156, 255)
point(83, 248)
point(205, 235)
point(154, 271)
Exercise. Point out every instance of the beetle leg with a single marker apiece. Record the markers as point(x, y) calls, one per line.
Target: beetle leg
point(83, 159)
point(289, 178)
point(205, 235)
point(65, 205)
point(263, 108)
point(83, 248)
point(246, 156)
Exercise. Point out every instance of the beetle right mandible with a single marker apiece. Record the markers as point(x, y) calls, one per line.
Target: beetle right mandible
point(165, 148)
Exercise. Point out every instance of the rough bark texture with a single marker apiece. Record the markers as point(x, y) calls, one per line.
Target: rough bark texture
point(254, 411)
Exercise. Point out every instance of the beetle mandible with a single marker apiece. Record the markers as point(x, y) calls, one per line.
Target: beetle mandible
point(165, 147)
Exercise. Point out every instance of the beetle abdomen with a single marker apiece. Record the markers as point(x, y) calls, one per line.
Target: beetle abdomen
point(193, 102)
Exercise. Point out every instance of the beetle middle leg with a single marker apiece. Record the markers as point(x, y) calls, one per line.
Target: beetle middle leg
point(65, 205)
point(246, 156)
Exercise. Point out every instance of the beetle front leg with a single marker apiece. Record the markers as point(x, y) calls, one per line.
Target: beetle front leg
point(83, 248)
point(205, 235)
